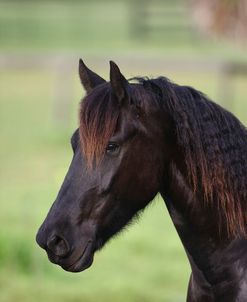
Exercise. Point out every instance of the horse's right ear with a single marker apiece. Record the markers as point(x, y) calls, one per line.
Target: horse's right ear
point(89, 79)
point(120, 85)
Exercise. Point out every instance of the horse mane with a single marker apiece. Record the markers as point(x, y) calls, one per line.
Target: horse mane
point(213, 142)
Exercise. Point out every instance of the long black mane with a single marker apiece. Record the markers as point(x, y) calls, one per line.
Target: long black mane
point(215, 148)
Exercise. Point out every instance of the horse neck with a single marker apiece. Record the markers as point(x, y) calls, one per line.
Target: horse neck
point(213, 262)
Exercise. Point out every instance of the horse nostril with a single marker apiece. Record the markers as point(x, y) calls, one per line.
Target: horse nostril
point(58, 246)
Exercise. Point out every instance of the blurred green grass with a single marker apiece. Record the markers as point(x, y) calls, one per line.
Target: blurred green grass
point(146, 262)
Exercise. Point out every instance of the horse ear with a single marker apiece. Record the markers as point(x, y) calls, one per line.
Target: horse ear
point(118, 82)
point(89, 79)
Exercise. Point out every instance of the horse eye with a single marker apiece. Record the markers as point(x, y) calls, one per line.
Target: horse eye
point(112, 147)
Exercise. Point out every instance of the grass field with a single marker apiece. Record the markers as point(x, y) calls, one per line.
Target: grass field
point(146, 262)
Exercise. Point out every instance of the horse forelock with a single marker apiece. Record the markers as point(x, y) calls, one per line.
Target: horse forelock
point(98, 117)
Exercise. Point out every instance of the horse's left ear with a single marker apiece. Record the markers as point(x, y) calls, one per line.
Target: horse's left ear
point(118, 82)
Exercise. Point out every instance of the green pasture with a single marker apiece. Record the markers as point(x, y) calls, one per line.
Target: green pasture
point(144, 263)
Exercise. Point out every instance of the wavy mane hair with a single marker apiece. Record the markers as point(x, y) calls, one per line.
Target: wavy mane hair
point(213, 142)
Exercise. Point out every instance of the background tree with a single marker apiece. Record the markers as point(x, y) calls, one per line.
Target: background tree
point(224, 18)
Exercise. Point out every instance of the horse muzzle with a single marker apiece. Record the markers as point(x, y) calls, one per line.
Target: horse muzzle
point(72, 258)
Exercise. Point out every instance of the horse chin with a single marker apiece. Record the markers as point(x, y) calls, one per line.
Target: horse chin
point(83, 262)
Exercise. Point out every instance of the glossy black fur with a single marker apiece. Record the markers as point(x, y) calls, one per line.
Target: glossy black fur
point(169, 139)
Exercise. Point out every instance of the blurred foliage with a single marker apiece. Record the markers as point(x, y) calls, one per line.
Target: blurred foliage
point(105, 27)
point(227, 18)
point(47, 25)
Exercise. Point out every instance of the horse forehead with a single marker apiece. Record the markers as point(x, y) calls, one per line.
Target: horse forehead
point(127, 123)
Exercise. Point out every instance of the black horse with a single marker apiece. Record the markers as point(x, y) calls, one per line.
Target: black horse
point(146, 136)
